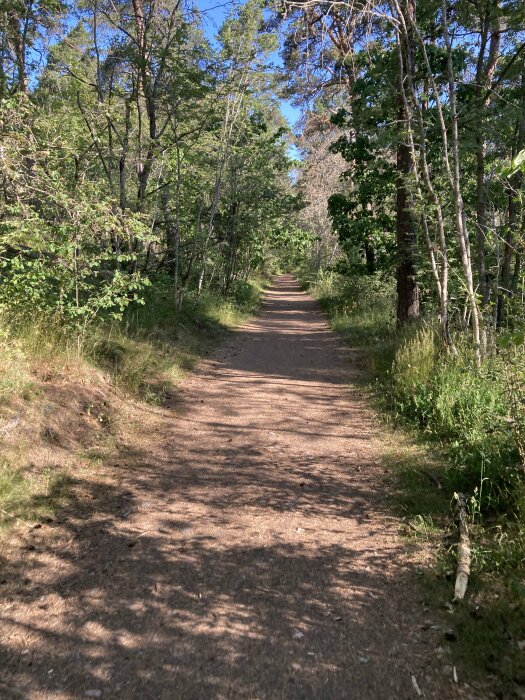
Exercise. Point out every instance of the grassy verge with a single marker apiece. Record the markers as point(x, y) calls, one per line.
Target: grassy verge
point(28, 497)
point(144, 356)
point(150, 352)
point(456, 429)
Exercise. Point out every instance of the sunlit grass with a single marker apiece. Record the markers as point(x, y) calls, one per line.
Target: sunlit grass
point(26, 498)
point(152, 351)
point(14, 375)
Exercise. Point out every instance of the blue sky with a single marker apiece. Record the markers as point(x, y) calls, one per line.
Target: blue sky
point(214, 13)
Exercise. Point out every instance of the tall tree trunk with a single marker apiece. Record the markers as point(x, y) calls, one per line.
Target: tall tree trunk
point(440, 267)
point(490, 36)
point(515, 185)
point(459, 208)
point(407, 288)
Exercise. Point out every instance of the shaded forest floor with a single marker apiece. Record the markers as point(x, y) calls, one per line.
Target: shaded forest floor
point(236, 542)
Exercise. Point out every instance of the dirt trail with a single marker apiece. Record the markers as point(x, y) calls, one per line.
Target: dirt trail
point(237, 548)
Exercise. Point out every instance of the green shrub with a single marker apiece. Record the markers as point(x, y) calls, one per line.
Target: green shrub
point(361, 308)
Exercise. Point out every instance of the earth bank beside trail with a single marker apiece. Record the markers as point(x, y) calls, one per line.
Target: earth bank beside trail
point(237, 545)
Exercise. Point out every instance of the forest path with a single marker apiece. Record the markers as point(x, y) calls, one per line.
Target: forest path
point(242, 551)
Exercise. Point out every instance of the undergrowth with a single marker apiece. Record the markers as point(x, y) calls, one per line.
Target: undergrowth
point(145, 354)
point(14, 376)
point(470, 425)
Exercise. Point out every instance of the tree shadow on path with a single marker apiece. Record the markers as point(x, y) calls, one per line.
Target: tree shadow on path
point(236, 548)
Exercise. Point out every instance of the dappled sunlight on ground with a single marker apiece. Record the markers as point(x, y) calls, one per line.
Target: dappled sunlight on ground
point(236, 547)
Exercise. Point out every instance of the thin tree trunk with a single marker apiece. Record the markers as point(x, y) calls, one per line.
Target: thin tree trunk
point(459, 210)
point(515, 185)
point(484, 73)
point(407, 287)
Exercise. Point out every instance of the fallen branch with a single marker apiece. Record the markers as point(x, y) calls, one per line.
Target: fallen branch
point(463, 569)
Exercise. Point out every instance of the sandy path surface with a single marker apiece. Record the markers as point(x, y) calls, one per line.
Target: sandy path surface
point(241, 549)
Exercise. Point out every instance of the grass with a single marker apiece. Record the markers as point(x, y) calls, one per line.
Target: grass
point(26, 498)
point(146, 354)
point(462, 429)
point(150, 352)
point(14, 375)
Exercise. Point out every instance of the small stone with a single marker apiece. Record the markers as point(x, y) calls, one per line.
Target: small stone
point(93, 693)
point(451, 636)
point(297, 634)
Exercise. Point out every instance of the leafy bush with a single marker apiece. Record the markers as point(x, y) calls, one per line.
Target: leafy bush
point(245, 295)
point(66, 252)
point(361, 307)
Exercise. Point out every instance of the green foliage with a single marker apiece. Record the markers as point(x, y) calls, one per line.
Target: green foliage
point(65, 253)
point(361, 309)
point(363, 218)
point(103, 191)
point(466, 410)
point(517, 164)
point(289, 246)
